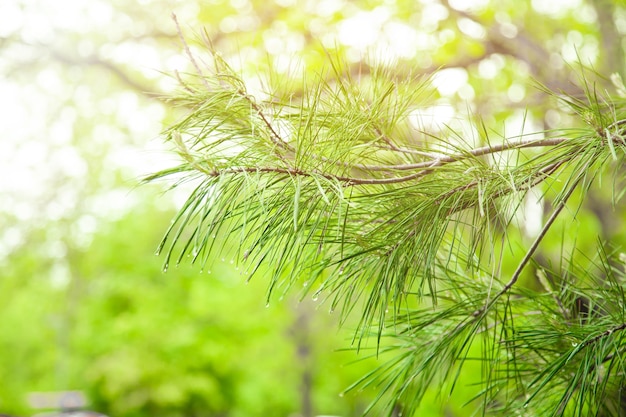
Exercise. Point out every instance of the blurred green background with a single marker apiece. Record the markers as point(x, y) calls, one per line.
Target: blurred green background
point(84, 302)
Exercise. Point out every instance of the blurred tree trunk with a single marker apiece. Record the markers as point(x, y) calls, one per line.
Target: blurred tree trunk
point(611, 51)
point(300, 332)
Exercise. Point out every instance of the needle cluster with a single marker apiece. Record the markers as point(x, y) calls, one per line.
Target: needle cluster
point(336, 190)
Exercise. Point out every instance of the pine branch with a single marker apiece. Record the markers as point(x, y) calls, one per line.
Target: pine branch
point(337, 191)
point(227, 117)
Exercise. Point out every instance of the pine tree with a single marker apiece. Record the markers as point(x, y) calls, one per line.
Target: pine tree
point(330, 187)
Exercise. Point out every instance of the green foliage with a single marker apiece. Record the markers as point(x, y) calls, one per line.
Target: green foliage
point(84, 302)
point(141, 342)
point(336, 189)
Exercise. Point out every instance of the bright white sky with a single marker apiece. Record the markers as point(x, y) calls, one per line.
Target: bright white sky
point(47, 110)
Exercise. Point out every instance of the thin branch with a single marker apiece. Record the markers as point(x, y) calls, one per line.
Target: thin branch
point(273, 134)
point(391, 146)
point(348, 181)
point(531, 251)
point(539, 238)
point(531, 182)
point(188, 52)
point(429, 165)
point(485, 150)
point(182, 83)
point(603, 335)
point(276, 170)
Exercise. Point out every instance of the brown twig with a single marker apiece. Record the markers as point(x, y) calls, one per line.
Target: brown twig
point(602, 335)
point(485, 150)
point(348, 181)
point(429, 165)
